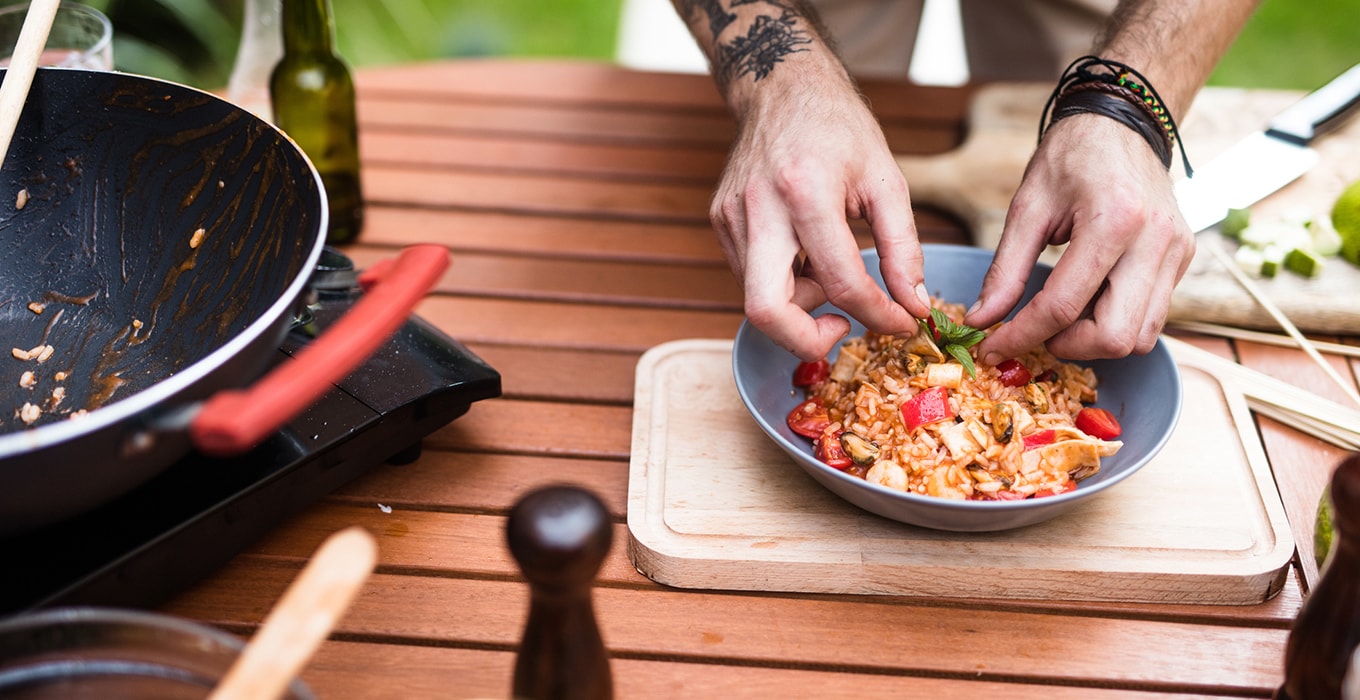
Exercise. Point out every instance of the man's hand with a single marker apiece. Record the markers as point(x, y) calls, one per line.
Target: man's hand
point(1094, 184)
point(805, 161)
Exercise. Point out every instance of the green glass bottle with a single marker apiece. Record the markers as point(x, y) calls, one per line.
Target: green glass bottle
point(312, 93)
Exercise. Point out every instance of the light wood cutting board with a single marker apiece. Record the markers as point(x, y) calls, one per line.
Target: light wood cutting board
point(714, 504)
point(976, 181)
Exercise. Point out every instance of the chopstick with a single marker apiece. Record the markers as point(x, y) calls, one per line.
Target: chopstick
point(1280, 400)
point(1288, 326)
point(1262, 337)
point(23, 64)
point(1307, 424)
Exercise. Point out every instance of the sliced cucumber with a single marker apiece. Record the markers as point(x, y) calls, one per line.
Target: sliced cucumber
point(1235, 222)
point(1326, 241)
point(1303, 262)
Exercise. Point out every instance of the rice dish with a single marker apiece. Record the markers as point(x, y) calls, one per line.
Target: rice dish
point(906, 414)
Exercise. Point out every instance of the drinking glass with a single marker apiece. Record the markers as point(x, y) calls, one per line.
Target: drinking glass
point(81, 37)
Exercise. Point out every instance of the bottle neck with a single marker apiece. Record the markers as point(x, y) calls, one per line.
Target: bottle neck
point(307, 27)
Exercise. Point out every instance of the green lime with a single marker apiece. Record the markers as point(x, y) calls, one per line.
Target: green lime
point(1322, 529)
point(1346, 221)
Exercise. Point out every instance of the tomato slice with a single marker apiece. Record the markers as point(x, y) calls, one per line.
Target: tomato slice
point(1098, 423)
point(809, 419)
point(809, 373)
point(1064, 487)
point(1013, 373)
point(1041, 438)
point(929, 406)
point(830, 451)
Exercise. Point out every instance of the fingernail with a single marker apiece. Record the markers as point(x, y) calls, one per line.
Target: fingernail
point(992, 359)
point(974, 308)
point(922, 294)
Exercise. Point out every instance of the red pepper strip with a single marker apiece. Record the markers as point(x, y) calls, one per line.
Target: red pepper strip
point(830, 451)
point(929, 406)
point(809, 373)
point(1098, 423)
point(1041, 438)
point(1013, 373)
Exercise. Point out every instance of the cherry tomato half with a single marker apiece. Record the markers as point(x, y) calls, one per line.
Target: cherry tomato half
point(809, 419)
point(1013, 373)
point(809, 373)
point(1098, 423)
point(830, 451)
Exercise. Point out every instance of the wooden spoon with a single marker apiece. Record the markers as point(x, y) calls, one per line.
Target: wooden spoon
point(302, 618)
point(23, 63)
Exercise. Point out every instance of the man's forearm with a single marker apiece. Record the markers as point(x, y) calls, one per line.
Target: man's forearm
point(751, 41)
point(1175, 43)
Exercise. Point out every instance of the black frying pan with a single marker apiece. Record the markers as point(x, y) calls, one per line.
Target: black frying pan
point(102, 263)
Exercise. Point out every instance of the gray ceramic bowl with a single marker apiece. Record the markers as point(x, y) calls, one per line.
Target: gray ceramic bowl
point(1144, 393)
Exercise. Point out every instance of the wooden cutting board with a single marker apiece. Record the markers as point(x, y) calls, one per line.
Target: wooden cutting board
point(976, 181)
point(714, 504)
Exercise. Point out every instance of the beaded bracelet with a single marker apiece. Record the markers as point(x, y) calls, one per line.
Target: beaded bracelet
point(1142, 108)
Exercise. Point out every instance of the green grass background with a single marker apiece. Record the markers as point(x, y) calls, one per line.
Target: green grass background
point(1291, 44)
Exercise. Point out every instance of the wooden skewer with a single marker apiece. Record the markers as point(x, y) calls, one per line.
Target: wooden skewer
point(1298, 408)
point(1306, 424)
point(302, 618)
point(1262, 337)
point(23, 63)
point(1288, 326)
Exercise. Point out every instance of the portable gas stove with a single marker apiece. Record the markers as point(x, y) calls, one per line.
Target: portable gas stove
point(186, 523)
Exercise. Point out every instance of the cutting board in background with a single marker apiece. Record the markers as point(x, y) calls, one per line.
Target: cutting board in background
point(976, 181)
point(714, 504)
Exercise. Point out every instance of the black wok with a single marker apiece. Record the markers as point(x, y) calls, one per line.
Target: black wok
point(106, 183)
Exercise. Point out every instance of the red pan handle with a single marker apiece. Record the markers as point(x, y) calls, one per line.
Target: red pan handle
point(234, 421)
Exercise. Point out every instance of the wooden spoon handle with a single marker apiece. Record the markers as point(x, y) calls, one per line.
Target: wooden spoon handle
point(302, 618)
point(23, 63)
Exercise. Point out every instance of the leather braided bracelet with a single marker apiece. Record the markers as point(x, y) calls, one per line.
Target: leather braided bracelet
point(1094, 85)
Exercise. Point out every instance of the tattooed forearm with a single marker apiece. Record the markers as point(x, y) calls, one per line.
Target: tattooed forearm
point(769, 40)
point(776, 29)
point(718, 18)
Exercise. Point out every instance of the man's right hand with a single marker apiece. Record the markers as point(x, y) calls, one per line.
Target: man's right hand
point(809, 156)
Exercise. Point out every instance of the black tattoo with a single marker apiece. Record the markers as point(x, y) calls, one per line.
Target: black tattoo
point(718, 18)
point(766, 44)
point(770, 38)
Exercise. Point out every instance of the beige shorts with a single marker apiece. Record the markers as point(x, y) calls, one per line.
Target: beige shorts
point(1004, 39)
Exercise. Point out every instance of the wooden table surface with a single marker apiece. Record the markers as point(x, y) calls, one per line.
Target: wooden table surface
point(574, 199)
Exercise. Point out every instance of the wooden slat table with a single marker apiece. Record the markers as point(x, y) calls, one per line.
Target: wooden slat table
point(574, 199)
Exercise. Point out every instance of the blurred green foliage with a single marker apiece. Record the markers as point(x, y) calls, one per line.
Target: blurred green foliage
point(1295, 45)
point(195, 41)
point(1288, 44)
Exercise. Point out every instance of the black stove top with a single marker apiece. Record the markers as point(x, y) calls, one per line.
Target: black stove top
point(183, 525)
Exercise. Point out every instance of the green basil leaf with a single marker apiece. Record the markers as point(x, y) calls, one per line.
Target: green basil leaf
point(960, 353)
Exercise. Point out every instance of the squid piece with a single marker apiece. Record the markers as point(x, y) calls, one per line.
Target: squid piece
point(1078, 455)
point(960, 442)
point(922, 344)
point(947, 374)
point(846, 365)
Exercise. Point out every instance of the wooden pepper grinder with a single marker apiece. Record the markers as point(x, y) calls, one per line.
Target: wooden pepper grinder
point(1327, 629)
point(560, 536)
